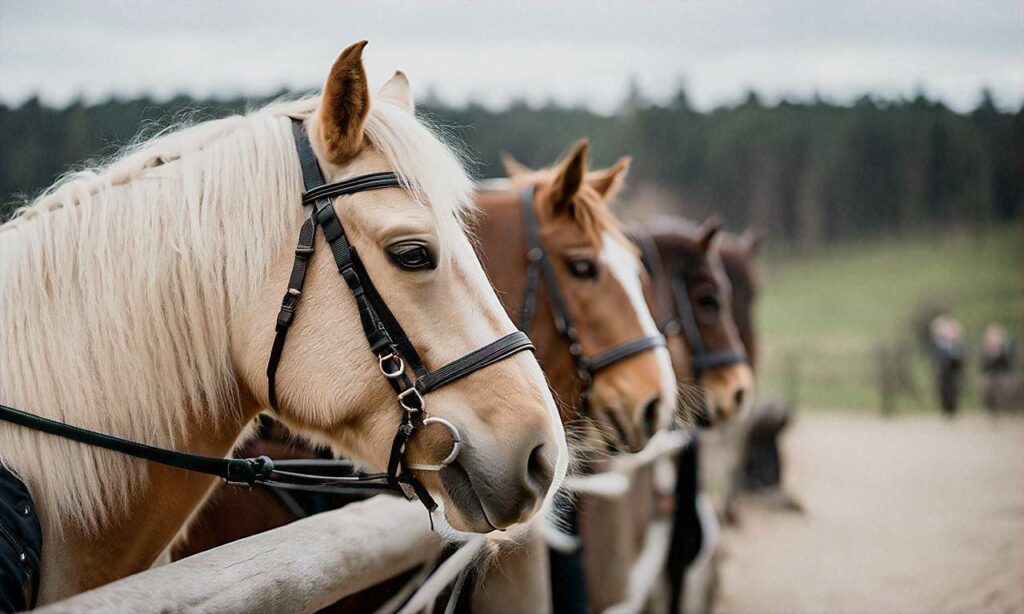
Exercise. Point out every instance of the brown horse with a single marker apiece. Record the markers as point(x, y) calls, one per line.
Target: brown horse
point(600, 276)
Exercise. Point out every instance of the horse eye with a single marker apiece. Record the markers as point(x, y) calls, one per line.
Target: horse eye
point(584, 268)
point(709, 302)
point(411, 256)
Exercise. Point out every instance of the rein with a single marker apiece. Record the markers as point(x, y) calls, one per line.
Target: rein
point(386, 339)
point(539, 266)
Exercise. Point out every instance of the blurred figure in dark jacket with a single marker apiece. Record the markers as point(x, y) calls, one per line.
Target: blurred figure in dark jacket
point(947, 336)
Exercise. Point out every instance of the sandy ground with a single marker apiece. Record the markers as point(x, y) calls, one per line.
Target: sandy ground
point(913, 514)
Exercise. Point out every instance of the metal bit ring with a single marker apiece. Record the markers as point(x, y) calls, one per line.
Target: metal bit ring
point(456, 446)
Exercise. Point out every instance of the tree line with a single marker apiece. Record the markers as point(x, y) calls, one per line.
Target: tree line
point(804, 172)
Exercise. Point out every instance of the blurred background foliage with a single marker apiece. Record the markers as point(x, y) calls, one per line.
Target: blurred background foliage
point(805, 173)
point(878, 214)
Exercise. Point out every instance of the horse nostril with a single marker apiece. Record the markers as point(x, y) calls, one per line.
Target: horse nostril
point(739, 398)
point(539, 471)
point(651, 416)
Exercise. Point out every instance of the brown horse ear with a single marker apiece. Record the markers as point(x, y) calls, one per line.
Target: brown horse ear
point(344, 106)
point(569, 179)
point(751, 240)
point(609, 181)
point(397, 92)
point(708, 231)
point(513, 167)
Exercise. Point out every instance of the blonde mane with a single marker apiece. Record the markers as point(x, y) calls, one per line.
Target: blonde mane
point(119, 282)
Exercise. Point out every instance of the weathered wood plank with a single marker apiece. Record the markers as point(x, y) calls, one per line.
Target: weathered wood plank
point(301, 567)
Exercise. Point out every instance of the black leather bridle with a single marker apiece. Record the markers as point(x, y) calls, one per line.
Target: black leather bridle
point(387, 340)
point(538, 265)
point(683, 321)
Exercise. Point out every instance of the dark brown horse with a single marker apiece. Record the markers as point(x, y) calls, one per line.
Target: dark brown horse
point(690, 276)
point(686, 265)
point(600, 276)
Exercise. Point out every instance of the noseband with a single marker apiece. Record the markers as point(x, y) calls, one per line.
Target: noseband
point(395, 353)
point(538, 265)
point(684, 321)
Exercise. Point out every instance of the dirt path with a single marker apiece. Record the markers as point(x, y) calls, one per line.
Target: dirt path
point(914, 514)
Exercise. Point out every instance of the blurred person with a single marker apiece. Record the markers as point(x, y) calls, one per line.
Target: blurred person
point(947, 340)
point(1003, 387)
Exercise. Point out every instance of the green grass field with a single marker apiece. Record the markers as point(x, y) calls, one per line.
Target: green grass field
point(824, 315)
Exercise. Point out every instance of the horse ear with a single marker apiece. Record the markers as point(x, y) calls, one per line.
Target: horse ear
point(344, 106)
point(513, 167)
point(397, 92)
point(569, 179)
point(609, 181)
point(708, 231)
point(751, 240)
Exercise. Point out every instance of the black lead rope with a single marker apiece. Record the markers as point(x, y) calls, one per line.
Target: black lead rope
point(232, 470)
point(538, 265)
point(237, 471)
point(385, 336)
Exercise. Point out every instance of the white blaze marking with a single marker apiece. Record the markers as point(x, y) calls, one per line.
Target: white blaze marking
point(625, 267)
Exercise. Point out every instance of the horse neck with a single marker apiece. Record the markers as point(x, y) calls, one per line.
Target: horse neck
point(152, 516)
point(502, 242)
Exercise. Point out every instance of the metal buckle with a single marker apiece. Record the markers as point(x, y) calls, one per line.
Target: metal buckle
point(456, 446)
point(398, 370)
point(407, 392)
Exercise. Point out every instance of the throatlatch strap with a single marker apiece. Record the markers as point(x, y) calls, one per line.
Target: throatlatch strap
point(285, 317)
point(534, 256)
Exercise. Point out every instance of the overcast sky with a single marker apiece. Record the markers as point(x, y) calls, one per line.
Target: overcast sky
point(569, 52)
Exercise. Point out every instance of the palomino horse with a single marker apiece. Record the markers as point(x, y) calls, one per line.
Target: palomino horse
point(139, 301)
point(599, 277)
